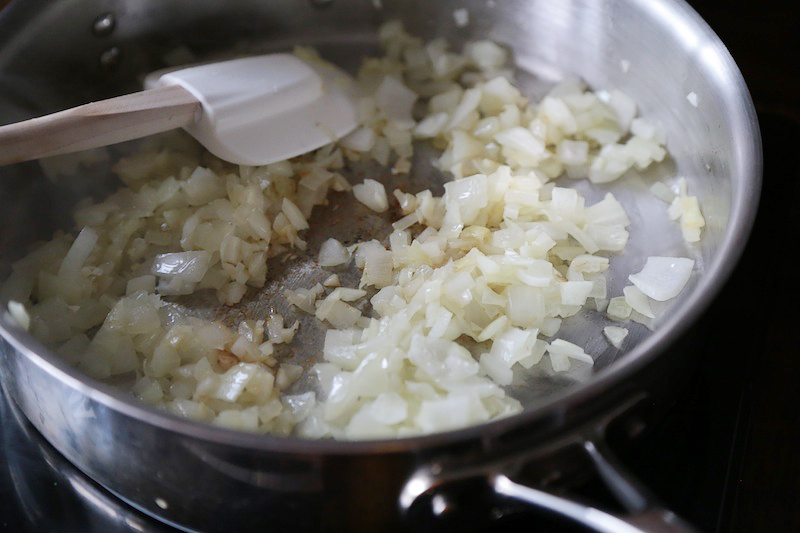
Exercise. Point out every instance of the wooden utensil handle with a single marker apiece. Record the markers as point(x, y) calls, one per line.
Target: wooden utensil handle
point(101, 123)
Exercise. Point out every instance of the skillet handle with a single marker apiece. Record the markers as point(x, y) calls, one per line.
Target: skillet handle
point(645, 514)
point(431, 493)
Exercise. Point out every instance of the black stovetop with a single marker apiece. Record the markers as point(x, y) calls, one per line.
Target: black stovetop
point(725, 457)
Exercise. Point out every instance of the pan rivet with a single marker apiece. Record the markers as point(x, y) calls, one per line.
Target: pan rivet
point(319, 4)
point(104, 24)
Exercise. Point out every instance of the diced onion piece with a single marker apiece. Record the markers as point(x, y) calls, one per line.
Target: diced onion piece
point(287, 374)
point(453, 411)
point(662, 192)
point(294, 214)
point(277, 333)
point(378, 265)
point(304, 298)
point(537, 352)
point(332, 281)
point(333, 253)
point(589, 264)
point(573, 351)
point(663, 278)
point(360, 140)
point(571, 152)
point(497, 92)
point(203, 186)
point(687, 209)
point(20, 315)
point(496, 368)
point(389, 408)
point(347, 295)
point(493, 328)
point(78, 253)
point(618, 308)
point(338, 313)
point(488, 55)
point(339, 348)
point(575, 292)
point(300, 405)
point(372, 194)
point(233, 382)
point(431, 126)
point(395, 99)
point(522, 142)
point(513, 345)
point(624, 106)
point(189, 267)
point(638, 300)
point(615, 335)
point(559, 362)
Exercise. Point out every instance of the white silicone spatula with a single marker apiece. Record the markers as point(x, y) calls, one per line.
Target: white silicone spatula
point(250, 111)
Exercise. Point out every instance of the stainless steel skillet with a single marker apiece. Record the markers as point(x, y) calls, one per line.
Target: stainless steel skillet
point(55, 54)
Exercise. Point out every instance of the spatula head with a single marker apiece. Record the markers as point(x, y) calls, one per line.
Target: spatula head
point(262, 109)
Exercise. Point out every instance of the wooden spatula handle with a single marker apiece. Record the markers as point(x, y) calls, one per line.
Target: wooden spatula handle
point(101, 123)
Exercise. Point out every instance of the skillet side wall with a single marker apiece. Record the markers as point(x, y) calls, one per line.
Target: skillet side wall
point(313, 490)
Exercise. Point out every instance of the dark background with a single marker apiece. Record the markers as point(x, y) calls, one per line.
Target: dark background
point(726, 455)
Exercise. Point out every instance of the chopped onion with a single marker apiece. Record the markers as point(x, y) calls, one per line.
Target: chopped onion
point(663, 278)
point(389, 408)
point(333, 253)
point(78, 253)
point(576, 292)
point(638, 300)
point(618, 308)
point(378, 264)
point(360, 140)
point(294, 214)
point(189, 267)
point(19, 314)
point(522, 145)
point(662, 192)
point(372, 194)
point(569, 349)
point(615, 335)
point(395, 99)
point(332, 281)
point(487, 55)
point(624, 106)
point(502, 257)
